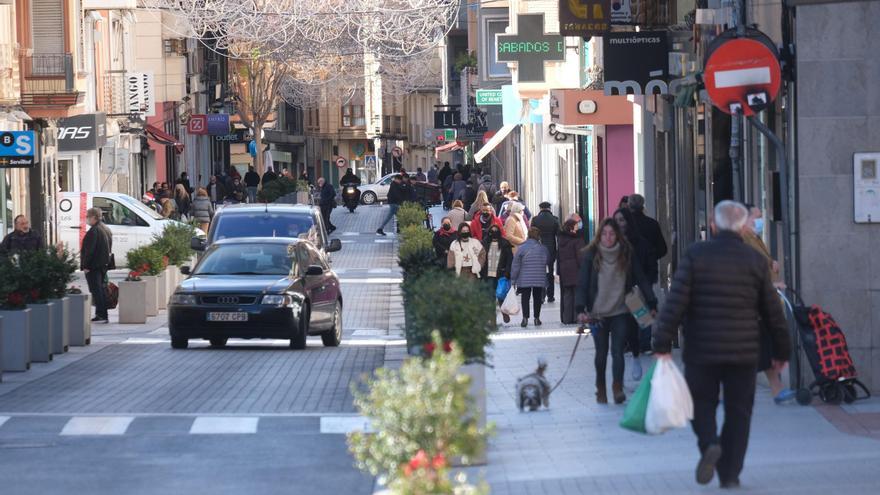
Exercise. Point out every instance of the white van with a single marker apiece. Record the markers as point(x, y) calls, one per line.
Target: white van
point(132, 223)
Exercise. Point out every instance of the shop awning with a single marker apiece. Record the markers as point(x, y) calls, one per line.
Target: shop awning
point(493, 142)
point(162, 137)
point(453, 146)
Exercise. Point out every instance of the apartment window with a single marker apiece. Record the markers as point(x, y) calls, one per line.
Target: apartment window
point(495, 68)
point(353, 116)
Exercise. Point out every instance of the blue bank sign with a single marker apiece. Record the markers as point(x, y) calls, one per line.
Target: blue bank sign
point(17, 149)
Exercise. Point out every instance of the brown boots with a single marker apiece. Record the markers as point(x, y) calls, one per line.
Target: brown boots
point(601, 395)
point(617, 390)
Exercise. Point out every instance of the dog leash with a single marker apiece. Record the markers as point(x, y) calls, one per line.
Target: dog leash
point(581, 331)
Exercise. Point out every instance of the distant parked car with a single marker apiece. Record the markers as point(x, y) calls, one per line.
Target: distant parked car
point(426, 193)
point(257, 288)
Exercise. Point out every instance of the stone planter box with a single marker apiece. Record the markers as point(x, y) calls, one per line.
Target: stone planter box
point(477, 390)
point(60, 325)
point(79, 319)
point(15, 340)
point(303, 197)
point(152, 295)
point(41, 326)
point(162, 287)
point(132, 306)
point(173, 274)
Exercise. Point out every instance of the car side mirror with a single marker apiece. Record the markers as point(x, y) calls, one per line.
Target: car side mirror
point(197, 244)
point(335, 245)
point(185, 270)
point(314, 271)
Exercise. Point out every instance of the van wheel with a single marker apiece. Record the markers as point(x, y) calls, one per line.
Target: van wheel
point(218, 342)
point(333, 337)
point(298, 341)
point(179, 343)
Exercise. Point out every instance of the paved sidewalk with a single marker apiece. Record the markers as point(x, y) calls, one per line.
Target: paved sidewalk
point(577, 446)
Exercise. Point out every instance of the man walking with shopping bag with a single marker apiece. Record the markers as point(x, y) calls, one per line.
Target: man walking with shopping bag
point(720, 291)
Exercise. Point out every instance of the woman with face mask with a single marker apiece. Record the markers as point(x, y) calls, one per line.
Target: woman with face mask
point(499, 257)
point(609, 271)
point(568, 260)
point(752, 236)
point(443, 238)
point(466, 254)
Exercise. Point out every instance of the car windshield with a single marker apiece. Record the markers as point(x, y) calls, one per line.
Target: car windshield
point(137, 205)
point(246, 259)
point(266, 225)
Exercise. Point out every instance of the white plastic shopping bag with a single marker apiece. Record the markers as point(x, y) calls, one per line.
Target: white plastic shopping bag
point(510, 306)
point(670, 404)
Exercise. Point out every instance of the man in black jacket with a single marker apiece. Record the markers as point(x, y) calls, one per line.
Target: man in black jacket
point(94, 260)
point(721, 290)
point(395, 197)
point(22, 238)
point(548, 224)
point(648, 228)
point(328, 202)
point(252, 181)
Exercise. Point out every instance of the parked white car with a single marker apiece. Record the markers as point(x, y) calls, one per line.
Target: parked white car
point(377, 191)
point(132, 223)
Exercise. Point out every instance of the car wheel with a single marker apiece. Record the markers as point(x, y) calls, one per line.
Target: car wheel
point(179, 343)
point(369, 198)
point(333, 337)
point(298, 341)
point(218, 341)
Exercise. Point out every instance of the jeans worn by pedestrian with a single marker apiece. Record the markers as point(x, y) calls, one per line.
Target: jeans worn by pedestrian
point(97, 281)
point(611, 332)
point(252, 194)
point(392, 212)
point(738, 382)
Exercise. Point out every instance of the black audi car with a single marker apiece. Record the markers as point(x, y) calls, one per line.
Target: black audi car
point(257, 288)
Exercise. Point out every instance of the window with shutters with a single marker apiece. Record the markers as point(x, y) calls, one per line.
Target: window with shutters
point(46, 19)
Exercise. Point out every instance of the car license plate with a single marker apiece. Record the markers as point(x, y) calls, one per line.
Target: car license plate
point(228, 316)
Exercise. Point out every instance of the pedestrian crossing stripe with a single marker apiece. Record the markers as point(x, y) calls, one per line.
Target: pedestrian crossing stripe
point(3, 419)
point(223, 425)
point(97, 425)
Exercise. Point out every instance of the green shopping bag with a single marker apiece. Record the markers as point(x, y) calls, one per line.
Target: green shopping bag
point(634, 415)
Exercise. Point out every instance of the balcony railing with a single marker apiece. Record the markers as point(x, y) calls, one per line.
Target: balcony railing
point(114, 102)
point(48, 80)
point(389, 125)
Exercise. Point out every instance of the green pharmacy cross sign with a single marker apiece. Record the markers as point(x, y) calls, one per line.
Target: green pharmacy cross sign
point(530, 48)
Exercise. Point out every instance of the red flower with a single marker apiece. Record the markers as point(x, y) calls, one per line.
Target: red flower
point(35, 294)
point(15, 299)
point(407, 471)
point(429, 348)
point(420, 460)
point(145, 267)
point(438, 462)
point(165, 260)
point(447, 346)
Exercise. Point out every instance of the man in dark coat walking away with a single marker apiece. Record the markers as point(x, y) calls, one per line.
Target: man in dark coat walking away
point(22, 238)
point(328, 202)
point(724, 294)
point(94, 260)
point(548, 224)
point(650, 230)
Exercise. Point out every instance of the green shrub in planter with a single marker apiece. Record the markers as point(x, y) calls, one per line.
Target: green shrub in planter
point(461, 310)
point(281, 187)
point(416, 251)
point(422, 416)
point(411, 214)
point(147, 260)
point(175, 243)
point(60, 268)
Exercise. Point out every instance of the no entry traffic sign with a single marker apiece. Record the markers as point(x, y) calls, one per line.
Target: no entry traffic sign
point(742, 72)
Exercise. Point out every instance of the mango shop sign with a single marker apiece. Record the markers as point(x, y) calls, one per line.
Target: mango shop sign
point(530, 48)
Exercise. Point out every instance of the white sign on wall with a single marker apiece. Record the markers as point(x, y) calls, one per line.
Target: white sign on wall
point(866, 187)
point(140, 95)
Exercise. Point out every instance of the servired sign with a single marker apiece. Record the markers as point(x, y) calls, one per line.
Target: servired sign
point(742, 72)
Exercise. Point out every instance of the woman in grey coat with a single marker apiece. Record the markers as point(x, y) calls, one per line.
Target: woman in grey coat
point(202, 210)
point(529, 274)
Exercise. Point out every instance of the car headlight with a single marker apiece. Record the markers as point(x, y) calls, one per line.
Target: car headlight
point(277, 300)
point(185, 299)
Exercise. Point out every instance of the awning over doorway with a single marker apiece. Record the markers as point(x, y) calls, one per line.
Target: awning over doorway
point(453, 146)
point(494, 142)
point(162, 137)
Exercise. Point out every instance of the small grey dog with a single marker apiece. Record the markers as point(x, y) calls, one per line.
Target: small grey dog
point(533, 389)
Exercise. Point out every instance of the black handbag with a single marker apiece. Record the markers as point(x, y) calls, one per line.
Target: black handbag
point(111, 264)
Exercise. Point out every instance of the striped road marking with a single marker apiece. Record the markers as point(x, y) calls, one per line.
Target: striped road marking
point(97, 425)
point(213, 425)
point(3, 419)
point(344, 424)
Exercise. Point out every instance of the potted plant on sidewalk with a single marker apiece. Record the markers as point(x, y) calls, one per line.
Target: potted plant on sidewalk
point(80, 314)
point(36, 276)
point(15, 339)
point(174, 243)
point(148, 260)
point(60, 267)
point(421, 416)
point(132, 294)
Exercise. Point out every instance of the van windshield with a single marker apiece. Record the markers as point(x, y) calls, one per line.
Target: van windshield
point(266, 225)
point(137, 205)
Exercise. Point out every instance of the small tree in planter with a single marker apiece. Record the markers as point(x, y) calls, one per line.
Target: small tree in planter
point(149, 261)
point(410, 214)
point(175, 243)
point(422, 416)
point(15, 339)
point(461, 310)
point(416, 252)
